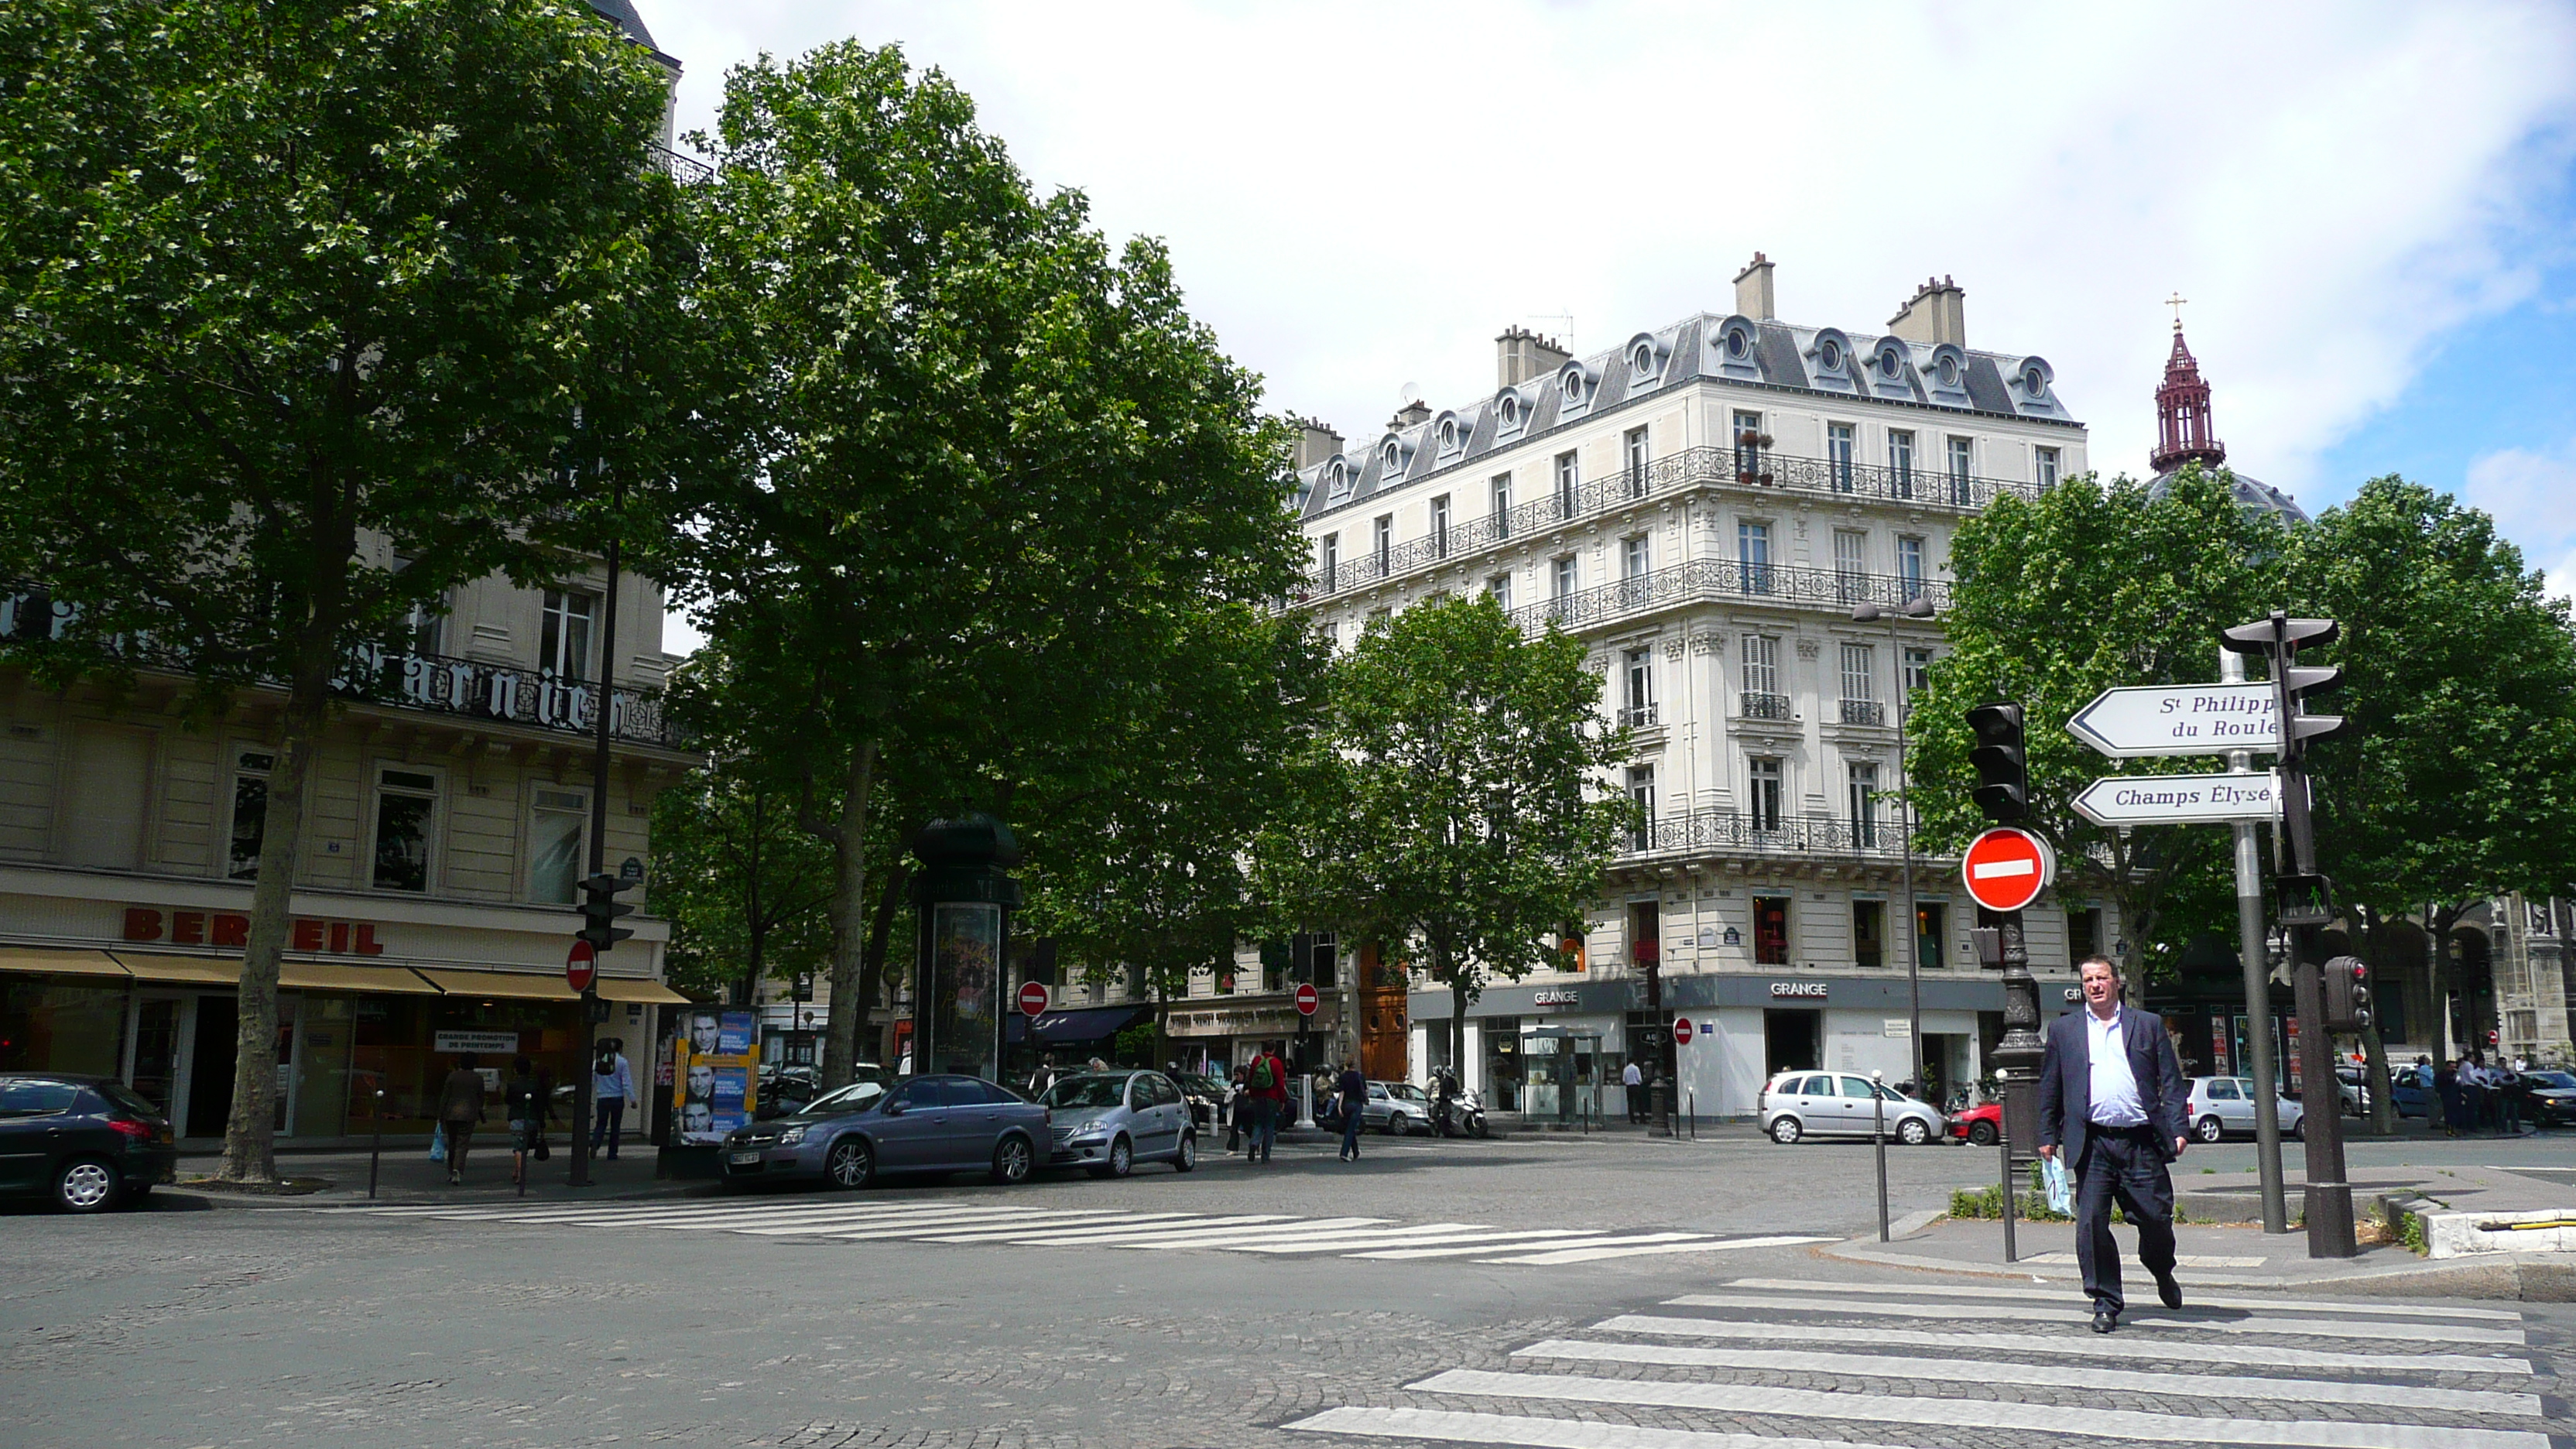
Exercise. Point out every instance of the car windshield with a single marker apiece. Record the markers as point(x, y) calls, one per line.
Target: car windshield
point(127, 1099)
point(1077, 1093)
point(1407, 1091)
point(2552, 1079)
point(856, 1097)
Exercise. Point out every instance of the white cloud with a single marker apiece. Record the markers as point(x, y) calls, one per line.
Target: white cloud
point(2528, 494)
point(1358, 195)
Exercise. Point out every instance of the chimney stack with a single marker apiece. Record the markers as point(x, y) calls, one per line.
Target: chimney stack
point(1315, 442)
point(1412, 415)
point(1937, 314)
point(1753, 290)
point(1520, 354)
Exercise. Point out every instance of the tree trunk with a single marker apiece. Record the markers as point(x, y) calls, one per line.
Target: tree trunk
point(250, 1132)
point(872, 967)
point(2383, 1107)
point(849, 1008)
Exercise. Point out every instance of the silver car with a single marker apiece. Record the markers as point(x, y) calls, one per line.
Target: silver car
point(2224, 1106)
point(1110, 1121)
point(1798, 1105)
point(1396, 1107)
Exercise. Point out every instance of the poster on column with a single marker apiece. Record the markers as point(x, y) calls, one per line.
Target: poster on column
point(711, 1091)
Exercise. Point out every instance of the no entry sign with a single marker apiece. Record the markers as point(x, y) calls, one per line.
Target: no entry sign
point(1681, 1031)
point(1033, 998)
point(1307, 999)
point(2006, 869)
point(581, 963)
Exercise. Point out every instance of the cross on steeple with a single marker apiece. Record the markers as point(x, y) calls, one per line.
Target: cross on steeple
point(2176, 302)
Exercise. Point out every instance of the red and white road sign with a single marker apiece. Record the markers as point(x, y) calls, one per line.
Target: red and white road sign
point(1681, 1031)
point(581, 963)
point(1033, 998)
point(1307, 999)
point(2006, 869)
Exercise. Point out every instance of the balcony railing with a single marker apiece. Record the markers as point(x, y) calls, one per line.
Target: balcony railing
point(1690, 468)
point(1864, 712)
point(1709, 579)
point(503, 693)
point(1734, 830)
point(1754, 704)
point(686, 170)
point(1639, 716)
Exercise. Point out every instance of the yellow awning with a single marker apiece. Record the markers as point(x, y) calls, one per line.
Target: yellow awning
point(629, 989)
point(514, 985)
point(182, 970)
point(333, 976)
point(62, 962)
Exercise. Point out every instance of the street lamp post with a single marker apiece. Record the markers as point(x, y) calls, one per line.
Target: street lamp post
point(1918, 607)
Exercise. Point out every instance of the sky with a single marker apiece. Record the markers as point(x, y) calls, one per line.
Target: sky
point(2367, 208)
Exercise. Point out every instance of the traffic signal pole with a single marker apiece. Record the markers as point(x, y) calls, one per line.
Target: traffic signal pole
point(2258, 987)
point(589, 1029)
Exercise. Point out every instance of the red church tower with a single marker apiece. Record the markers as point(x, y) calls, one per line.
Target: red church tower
point(2183, 432)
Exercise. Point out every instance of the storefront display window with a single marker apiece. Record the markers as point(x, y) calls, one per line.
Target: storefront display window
point(1502, 1041)
point(408, 1045)
point(1771, 930)
point(61, 1027)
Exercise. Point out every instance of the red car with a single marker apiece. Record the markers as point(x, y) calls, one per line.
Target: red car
point(1983, 1126)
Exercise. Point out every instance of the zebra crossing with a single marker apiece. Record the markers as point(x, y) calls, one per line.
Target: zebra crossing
point(2007, 1366)
point(970, 1223)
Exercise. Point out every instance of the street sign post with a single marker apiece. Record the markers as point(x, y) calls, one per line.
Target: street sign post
point(1307, 999)
point(1681, 1031)
point(2180, 799)
point(581, 964)
point(1033, 998)
point(2006, 868)
point(2179, 719)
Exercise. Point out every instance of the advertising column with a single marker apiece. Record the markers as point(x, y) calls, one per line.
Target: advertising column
point(713, 1089)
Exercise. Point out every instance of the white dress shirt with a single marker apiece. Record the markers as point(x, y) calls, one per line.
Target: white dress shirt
point(2115, 1088)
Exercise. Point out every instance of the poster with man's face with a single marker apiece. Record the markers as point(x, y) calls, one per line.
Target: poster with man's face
point(718, 1055)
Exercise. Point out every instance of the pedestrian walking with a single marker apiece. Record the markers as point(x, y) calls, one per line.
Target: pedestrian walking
point(523, 1106)
point(2111, 1098)
point(612, 1083)
point(1354, 1094)
point(2506, 1085)
point(2473, 1092)
point(460, 1106)
point(2455, 1102)
point(1043, 1077)
point(1635, 1083)
point(1236, 1108)
point(1265, 1078)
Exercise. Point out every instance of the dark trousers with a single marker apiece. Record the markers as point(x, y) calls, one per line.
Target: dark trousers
point(1351, 1117)
point(1264, 1132)
point(612, 1119)
point(2122, 1163)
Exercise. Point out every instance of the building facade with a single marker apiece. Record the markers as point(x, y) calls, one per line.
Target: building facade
point(1748, 523)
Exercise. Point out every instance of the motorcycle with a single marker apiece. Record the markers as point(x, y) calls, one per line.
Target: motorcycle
point(1459, 1116)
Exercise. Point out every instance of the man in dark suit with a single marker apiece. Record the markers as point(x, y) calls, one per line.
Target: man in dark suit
point(2111, 1098)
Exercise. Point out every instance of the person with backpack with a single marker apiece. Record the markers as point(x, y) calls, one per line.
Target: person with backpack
point(1265, 1079)
point(1354, 1094)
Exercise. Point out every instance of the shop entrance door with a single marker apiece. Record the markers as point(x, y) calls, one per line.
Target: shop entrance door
point(210, 1066)
point(157, 1058)
point(1791, 1041)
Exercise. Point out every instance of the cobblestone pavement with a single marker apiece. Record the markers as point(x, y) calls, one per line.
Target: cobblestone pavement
point(258, 1328)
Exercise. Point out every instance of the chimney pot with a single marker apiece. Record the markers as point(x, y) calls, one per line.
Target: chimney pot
point(1753, 295)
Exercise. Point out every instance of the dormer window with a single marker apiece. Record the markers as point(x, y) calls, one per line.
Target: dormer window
point(1575, 381)
point(1511, 412)
point(1391, 460)
point(1451, 436)
point(1337, 481)
point(1948, 371)
point(1738, 347)
point(1642, 358)
point(1889, 364)
point(1829, 355)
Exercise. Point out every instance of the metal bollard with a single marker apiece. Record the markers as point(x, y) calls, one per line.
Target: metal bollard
point(375, 1153)
point(1693, 1097)
point(1878, 1137)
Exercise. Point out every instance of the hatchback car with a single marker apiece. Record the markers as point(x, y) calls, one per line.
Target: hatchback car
point(85, 1143)
point(1979, 1126)
point(1797, 1105)
point(1110, 1121)
point(2411, 1088)
point(1396, 1108)
point(935, 1124)
point(2552, 1102)
point(2224, 1106)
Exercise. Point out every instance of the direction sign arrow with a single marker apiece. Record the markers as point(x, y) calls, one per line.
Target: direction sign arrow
point(2180, 799)
point(2179, 719)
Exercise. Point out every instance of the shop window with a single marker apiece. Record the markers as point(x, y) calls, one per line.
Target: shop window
point(406, 802)
point(1931, 920)
point(1869, 934)
point(250, 812)
point(558, 830)
point(1771, 930)
point(2083, 933)
point(61, 1027)
point(1645, 932)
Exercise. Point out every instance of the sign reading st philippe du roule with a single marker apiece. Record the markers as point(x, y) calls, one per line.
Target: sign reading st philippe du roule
point(2179, 719)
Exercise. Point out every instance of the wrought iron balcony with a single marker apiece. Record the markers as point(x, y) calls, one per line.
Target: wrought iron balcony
point(1690, 468)
point(503, 693)
point(1711, 579)
point(1717, 831)
point(1639, 716)
point(686, 170)
point(1754, 704)
point(1864, 712)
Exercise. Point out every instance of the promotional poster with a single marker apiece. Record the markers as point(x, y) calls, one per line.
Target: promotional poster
point(717, 1060)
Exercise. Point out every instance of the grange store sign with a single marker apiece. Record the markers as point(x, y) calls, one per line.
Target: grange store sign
point(230, 928)
point(1797, 988)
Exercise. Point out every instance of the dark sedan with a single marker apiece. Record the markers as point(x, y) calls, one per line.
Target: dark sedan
point(2552, 1099)
point(86, 1143)
point(938, 1124)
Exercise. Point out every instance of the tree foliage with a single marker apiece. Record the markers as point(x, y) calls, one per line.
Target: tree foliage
point(301, 302)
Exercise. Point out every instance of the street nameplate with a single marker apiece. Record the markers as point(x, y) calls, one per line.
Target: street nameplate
point(2180, 799)
point(2179, 719)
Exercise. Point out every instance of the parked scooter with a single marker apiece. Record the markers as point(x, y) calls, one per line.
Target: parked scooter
point(1459, 1114)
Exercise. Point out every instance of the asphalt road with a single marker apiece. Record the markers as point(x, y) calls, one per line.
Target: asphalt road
point(802, 1319)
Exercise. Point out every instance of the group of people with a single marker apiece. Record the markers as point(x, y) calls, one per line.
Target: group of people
point(527, 1103)
point(2477, 1097)
point(1254, 1098)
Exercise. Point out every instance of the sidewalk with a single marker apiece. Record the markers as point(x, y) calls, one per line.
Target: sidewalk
point(406, 1175)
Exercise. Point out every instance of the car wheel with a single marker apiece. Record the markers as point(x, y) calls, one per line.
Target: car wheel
point(1012, 1161)
point(1912, 1132)
point(85, 1185)
point(1187, 1156)
point(2209, 1129)
point(851, 1163)
point(1983, 1134)
point(1122, 1158)
point(2298, 1131)
point(1785, 1131)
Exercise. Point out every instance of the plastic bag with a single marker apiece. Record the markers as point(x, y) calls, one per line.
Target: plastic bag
point(438, 1143)
point(2061, 1190)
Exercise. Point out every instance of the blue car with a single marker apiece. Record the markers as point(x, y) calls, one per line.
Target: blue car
point(936, 1124)
point(2411, 1087)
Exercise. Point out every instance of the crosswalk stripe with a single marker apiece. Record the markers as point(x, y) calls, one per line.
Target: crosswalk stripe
point(951, 1217)
point(972, 1230)
point(2032, 1295)
point(1591, 1255)
point(1155, 1234)
point(1228, 1236)
point(1400, 1254)
point(1982, 1414)
point(1431, 1234)
point(2146, 1317)
point(2086, 1345)
point(1516, 1429)
point(1123, 1225)
point(921, 1227)
point(2089, 1376)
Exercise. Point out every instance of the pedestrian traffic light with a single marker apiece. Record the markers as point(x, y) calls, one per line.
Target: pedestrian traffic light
point(2347, 994)
point(2279, 639)
point(600, 909)
point(2003, 774)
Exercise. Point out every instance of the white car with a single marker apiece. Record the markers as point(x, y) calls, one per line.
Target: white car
point(1798, 1105)
point(2224, 1106)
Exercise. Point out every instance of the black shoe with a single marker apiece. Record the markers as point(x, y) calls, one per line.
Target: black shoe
point(2169, 1289)
point(2104, 1320)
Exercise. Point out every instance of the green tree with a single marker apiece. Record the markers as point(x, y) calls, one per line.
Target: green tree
point(1458, 806)
point(978, 465)
point(2089, 587)
point(2457, 780)
point(301, 301)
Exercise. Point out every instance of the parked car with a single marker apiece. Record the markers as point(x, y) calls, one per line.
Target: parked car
point(1981, 1125)
point(1396, 1107)
point(1110, 1121)
point(85, 1143)
point(2353, 1086)
point(2224, 1106)
point(1206, 1098)
point(1797, 1105)
point(785, 1091)
point(938, 1124)
point(2552, 1102)
point(2411, 1088)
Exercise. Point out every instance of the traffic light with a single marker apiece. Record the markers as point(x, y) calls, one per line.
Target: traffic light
point(2003, 774)
point(2279, 640)
point(2347, 994)
point(600, 909)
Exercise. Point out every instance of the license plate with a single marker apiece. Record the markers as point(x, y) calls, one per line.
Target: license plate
point(745, 1159)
